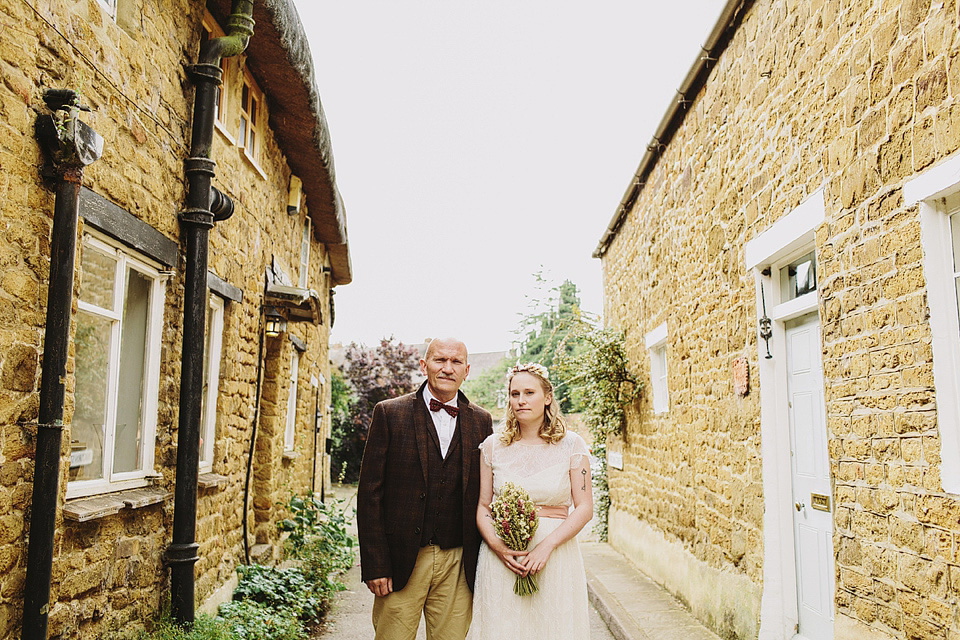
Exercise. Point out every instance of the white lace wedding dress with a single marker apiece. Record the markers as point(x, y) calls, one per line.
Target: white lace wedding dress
point(558, 611)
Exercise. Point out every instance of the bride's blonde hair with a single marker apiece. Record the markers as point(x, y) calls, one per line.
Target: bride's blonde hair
point(554, 427)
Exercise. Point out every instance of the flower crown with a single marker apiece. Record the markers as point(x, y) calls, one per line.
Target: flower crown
point(530, 367)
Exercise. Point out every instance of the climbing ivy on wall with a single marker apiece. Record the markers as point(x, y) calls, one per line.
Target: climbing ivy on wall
point(597, 368)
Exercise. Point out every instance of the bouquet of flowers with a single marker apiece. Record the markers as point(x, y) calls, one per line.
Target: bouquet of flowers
point(515, 521)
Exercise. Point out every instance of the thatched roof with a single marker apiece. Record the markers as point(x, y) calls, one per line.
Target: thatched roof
point(278, 56)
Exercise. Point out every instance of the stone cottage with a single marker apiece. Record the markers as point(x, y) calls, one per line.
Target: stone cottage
point(784, 266)
point(251, 352)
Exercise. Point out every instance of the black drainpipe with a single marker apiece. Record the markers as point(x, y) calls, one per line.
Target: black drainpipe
point(71, 145)
point(205, 205)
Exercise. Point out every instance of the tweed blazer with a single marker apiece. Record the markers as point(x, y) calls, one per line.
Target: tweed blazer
point(391, 498)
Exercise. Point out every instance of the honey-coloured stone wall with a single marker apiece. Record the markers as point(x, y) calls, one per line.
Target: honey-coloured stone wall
point(108, 572)
point(854, 98)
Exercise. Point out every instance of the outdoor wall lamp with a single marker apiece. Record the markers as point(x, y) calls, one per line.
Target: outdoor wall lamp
point(273, 323)
point(766, 325)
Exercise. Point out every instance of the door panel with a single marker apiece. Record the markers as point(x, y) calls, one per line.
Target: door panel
point(813, 528)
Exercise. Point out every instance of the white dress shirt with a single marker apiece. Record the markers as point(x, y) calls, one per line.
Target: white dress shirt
point(445, 423)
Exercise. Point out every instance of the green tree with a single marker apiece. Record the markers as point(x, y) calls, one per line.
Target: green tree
point(344, 443)
point(489, 388)
point(551, 330)
point(383, 372)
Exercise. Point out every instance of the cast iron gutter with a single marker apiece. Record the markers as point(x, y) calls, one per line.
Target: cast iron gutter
point(71, 146)
point(205, 205)
point(694, 81)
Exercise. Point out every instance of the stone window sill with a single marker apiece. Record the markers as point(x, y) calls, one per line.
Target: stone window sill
point(211, 480)
point(96, 507)
point(253, 163)
point(290, 455)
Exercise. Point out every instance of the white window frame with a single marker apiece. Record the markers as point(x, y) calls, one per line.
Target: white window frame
point(656, 343)
point(211, 382)
point(252, 120)
point(223, 91)
point(127, 259)
point(289, 433)
point(305, 253)
point(936, 192)
point(110, 6)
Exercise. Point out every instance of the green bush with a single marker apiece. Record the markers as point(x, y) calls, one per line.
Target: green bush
point(281, 589)
point(235, 621)
point(318, 535)
point(248, 620)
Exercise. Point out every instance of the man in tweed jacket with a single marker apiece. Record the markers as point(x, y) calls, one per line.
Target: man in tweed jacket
point(417, 502)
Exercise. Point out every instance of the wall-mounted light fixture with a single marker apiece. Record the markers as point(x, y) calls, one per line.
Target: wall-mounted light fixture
point(293, 198)
point(766, 325)
point(273, 322)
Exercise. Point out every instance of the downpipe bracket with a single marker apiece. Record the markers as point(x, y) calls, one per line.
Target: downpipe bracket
point(182, 553)
point(202, 218)
point(205, 72)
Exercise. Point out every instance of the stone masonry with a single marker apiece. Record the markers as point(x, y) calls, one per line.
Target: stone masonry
point(854, 97)
point(108, 571)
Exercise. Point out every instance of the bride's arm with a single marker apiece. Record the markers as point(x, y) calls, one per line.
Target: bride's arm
point(582, 489)
point(485, 523)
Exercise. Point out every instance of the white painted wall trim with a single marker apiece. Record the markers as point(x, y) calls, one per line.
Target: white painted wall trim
point(783, 240)
point(930, 189)
point(655, 337)
point(788, 234)
point(933, 183)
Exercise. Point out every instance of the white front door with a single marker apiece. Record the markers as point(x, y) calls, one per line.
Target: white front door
point(813, 500)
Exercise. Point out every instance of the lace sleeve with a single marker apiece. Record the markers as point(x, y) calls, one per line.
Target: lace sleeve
point(486, 450)
point(578, 449)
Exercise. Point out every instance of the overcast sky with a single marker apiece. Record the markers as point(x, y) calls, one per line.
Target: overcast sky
point(478, 142)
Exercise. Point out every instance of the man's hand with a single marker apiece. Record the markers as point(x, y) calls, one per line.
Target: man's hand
point(380, 586)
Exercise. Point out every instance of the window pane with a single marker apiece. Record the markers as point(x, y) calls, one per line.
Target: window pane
point(126, 456)
point(799, 277)
point(288, 436)
point(211, 378)
point(304, 253)
point(956, 282)
point(245, 98)
point(955, 232)
point(98, 273)
point(92, 349)
point(252, 141)
point(253, 111)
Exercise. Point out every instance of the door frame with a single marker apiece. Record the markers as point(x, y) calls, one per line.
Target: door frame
point(789, 237)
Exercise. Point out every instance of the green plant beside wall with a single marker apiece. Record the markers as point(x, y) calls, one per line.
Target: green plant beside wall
point(598, 370)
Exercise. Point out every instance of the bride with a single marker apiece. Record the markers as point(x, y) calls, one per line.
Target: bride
point(535, 451)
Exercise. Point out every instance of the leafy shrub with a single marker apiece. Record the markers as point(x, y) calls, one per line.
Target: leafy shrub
point(281, 589)
point(246, 620)
point(319, 543)
point(318, 535)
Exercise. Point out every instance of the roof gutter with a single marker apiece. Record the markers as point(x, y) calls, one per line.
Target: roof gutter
point(694, 81)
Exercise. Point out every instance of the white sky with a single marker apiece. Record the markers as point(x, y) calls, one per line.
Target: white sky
point(476, 142)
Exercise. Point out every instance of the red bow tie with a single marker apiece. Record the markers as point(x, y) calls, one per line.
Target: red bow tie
point(436, 405)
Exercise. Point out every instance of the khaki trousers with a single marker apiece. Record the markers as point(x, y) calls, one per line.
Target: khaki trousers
point(437, 588)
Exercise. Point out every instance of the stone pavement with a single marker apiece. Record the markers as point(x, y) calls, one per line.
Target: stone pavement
point(633, 606)
point(626, 605)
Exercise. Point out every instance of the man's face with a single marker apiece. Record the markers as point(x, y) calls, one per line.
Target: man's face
point(445, 366)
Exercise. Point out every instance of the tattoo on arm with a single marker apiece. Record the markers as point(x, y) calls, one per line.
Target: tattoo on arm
point(583, 472)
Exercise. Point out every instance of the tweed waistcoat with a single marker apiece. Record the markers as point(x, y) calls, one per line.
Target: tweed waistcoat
point(443, 514)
